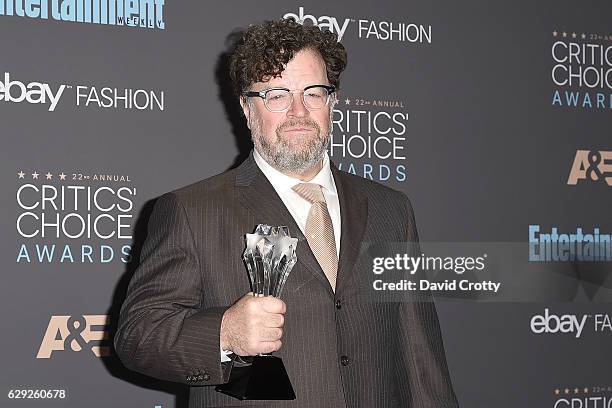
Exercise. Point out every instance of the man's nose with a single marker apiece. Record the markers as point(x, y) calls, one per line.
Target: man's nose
point(297, 108)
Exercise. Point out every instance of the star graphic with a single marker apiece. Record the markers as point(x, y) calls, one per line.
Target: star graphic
point(583, 36)
point(49, 176)
point(557, 391)
point(576, 390)
point(564, 34)
point(586, 390)
point(62, 176)
point(21, 174)
point(555, 33)
point(35, 175)
point(566, 390)
point(573, 35)
point(347, 101)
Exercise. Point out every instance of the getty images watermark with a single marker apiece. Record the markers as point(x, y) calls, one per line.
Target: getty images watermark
point(404, 263)
point(491, 271)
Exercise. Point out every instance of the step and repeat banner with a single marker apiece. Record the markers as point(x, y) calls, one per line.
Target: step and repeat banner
point(493, 118)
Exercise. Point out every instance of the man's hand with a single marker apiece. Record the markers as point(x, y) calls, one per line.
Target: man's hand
point(253, 325)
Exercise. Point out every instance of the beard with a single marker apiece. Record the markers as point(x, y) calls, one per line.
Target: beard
point(285, 155)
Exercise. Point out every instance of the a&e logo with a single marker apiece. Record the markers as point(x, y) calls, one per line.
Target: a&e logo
point(75, 333)
point(591, 165)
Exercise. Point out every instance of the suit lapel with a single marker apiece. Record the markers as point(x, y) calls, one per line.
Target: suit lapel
point(354, 214)
point(259, 197)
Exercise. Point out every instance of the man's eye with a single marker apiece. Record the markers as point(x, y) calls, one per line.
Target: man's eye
point(276, 96)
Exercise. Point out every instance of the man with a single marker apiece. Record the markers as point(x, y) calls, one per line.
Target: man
point(188, 308)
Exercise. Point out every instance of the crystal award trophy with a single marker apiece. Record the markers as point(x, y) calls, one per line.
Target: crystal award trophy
point(269, 257)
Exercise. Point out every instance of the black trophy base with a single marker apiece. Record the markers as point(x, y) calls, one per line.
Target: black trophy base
point(265, 379)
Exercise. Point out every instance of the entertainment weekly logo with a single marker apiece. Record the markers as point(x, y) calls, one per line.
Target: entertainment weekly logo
point(559, 246)
point(130, 13)
point(366, 29)
point(369, 138)
point(84, 96)
point(73, 218)
point(581, 70)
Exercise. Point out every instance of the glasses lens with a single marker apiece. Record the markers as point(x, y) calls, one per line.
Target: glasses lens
point(315, 97)
point(278, 99)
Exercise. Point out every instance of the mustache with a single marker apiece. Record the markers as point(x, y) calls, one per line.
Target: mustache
point(300, 123)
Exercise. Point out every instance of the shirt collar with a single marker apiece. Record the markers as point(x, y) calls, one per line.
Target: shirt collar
point(282, 182)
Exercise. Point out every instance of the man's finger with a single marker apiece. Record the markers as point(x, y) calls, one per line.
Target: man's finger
point(270, 334)
point(270, 346)
point(271, 304)
point(274, 320)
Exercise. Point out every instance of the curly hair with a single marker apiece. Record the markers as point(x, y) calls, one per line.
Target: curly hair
point(265, 49)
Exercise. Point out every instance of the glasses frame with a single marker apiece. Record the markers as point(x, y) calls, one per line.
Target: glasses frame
point(262, 94)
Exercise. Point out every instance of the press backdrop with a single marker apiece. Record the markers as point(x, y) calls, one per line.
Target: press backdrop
point(492, 116)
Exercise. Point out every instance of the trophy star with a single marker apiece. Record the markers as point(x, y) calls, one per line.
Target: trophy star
point(35, 175)
point(62, 176)
point(269, 256)
point(49, 176)
point(21, 174)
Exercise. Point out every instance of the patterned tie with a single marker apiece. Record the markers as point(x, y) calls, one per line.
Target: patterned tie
point(319, 230)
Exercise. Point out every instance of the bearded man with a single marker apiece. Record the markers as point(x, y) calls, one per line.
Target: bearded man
point(189, 316)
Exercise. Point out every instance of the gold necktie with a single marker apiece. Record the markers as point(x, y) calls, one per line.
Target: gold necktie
point(319, 230)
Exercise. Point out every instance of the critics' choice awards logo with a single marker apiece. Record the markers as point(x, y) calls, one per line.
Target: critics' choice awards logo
point(581, 396)
point(366, 29)
point(569, 324)
point(369, 137)
point(591, 165)
point(581, 70)
point(131, 13)
point(63, 221)
point(76, 333)
point(84, 96)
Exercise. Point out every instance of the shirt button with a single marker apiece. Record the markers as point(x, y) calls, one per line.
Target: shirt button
point(338, 304)
point(344, 360)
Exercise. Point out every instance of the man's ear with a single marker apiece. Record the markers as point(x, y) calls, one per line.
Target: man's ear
point(246, 111)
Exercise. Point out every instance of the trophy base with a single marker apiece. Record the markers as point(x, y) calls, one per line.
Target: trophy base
point(265, 379)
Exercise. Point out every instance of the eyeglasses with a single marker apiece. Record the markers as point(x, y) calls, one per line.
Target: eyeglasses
point(314, 97)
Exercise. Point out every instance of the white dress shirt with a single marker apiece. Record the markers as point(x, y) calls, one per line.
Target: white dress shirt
point(300, 207)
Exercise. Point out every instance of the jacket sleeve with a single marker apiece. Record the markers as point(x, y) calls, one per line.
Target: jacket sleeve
point(422, 352)
point(163, 331)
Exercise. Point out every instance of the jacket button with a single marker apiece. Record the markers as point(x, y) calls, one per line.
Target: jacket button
point(344, 360)
point(206, 377)
point(338, 304)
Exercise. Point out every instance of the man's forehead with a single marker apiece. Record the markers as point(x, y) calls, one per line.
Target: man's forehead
point(306, 67)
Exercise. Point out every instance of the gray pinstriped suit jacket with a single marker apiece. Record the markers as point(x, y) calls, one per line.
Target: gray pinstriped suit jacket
point(191, 270)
